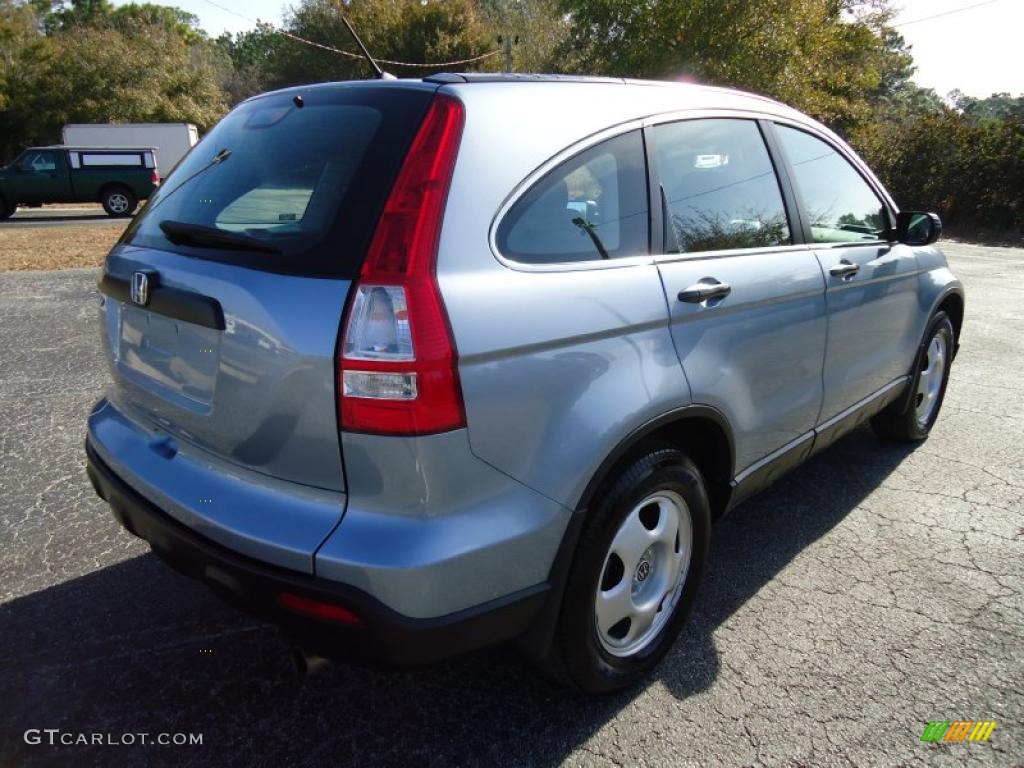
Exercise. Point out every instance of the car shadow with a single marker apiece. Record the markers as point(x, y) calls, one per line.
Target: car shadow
point(135, 648)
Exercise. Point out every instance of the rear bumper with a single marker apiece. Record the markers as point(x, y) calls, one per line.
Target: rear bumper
point(383, 635)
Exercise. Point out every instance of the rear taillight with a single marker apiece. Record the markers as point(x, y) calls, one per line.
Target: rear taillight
point(397, 365)
point(155, 178)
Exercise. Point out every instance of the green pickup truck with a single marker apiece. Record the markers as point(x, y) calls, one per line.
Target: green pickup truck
point(117, 178)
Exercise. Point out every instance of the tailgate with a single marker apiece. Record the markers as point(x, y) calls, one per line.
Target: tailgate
point(258, 392)
point(225, 297)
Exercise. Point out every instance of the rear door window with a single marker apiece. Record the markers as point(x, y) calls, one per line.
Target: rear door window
point(591, 207)
point(285, 184)
point(719, 186)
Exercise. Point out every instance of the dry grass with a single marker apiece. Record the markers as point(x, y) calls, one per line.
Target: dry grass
point(25, 248)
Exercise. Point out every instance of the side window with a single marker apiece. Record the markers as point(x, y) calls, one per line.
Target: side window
point(39, 162)
point(719, 186)
point(593, 206)
point(838, 202)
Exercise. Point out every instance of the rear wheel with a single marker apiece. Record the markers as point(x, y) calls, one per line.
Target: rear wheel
point(119, 201)
point(6, 209)
point(635, 573)
point(911, 419)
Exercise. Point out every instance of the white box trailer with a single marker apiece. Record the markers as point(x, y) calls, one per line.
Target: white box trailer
point(171, 140)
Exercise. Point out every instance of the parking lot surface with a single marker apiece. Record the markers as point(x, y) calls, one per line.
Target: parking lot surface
point(869, 592)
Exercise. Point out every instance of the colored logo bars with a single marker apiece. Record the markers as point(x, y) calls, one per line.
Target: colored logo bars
point(958, 730)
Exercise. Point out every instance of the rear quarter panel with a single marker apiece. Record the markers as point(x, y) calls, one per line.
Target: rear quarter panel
point(557, 366)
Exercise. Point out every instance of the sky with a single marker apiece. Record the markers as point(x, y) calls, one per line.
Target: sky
point(978, 50)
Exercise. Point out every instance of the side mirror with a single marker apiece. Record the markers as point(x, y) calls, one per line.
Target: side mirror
point(918, 227)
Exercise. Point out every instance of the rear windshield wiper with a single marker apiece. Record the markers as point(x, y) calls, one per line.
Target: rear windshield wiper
point(183, 233)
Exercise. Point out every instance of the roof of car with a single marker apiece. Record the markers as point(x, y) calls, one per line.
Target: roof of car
point(520, 77)
point(622, 98)
point(451, 78)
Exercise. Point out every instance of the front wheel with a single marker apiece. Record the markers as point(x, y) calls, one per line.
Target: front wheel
point(119, 202)
point(635, 573)
point(911, 419)
point(6, 209)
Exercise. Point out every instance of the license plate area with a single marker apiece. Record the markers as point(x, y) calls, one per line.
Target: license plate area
point(175, 356)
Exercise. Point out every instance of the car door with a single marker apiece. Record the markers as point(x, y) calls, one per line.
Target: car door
point(38, 177)
point(746, 298)
point(871, 283)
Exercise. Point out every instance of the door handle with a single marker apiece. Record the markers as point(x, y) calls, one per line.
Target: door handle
point(844, 269)
point(706, 288)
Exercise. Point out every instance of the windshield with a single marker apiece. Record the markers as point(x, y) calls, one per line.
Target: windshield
point(305, 178)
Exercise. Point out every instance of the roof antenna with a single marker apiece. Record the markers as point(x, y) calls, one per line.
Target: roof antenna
point(378, 73)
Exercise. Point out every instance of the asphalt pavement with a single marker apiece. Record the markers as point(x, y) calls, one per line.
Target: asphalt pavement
point(871, 591)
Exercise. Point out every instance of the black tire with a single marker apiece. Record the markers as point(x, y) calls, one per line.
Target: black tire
point(119, 202)
point(901, 422)
point(6, 209)
point(580, 658)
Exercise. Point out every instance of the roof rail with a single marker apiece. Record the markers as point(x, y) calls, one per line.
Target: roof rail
point(447, 78)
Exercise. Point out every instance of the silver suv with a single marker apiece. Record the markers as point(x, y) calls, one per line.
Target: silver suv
point(412, 367)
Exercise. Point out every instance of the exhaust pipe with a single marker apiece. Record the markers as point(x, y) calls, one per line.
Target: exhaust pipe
point(307, 664)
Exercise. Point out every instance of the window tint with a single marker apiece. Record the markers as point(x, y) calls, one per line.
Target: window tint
point(39, 162)
point(719, 185)
point(835, 198)
point(304, 179)
point(593, 206)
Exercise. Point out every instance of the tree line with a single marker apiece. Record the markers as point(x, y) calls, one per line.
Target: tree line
point(840, 61)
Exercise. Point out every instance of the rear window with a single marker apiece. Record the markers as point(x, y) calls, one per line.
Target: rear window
point(109, 158)
point(299, 186)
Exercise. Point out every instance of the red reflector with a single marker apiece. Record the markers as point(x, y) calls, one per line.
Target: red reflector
point(317, 609)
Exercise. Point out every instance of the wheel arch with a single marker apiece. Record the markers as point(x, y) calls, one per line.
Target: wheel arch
point(700, 431)
point(109, 186)
point(952, 303)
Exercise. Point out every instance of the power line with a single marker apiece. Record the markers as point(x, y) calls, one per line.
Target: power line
point(945, 13)
point(351, 55)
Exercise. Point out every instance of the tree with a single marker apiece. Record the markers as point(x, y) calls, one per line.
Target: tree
point(61, 16)
point(246, 62)
point(998, 106)
point(825, 57)
point(537, 29)
point(147, 73)
point(399, 30)
point(140, 66)
point(23, 54)
point(971, 172)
